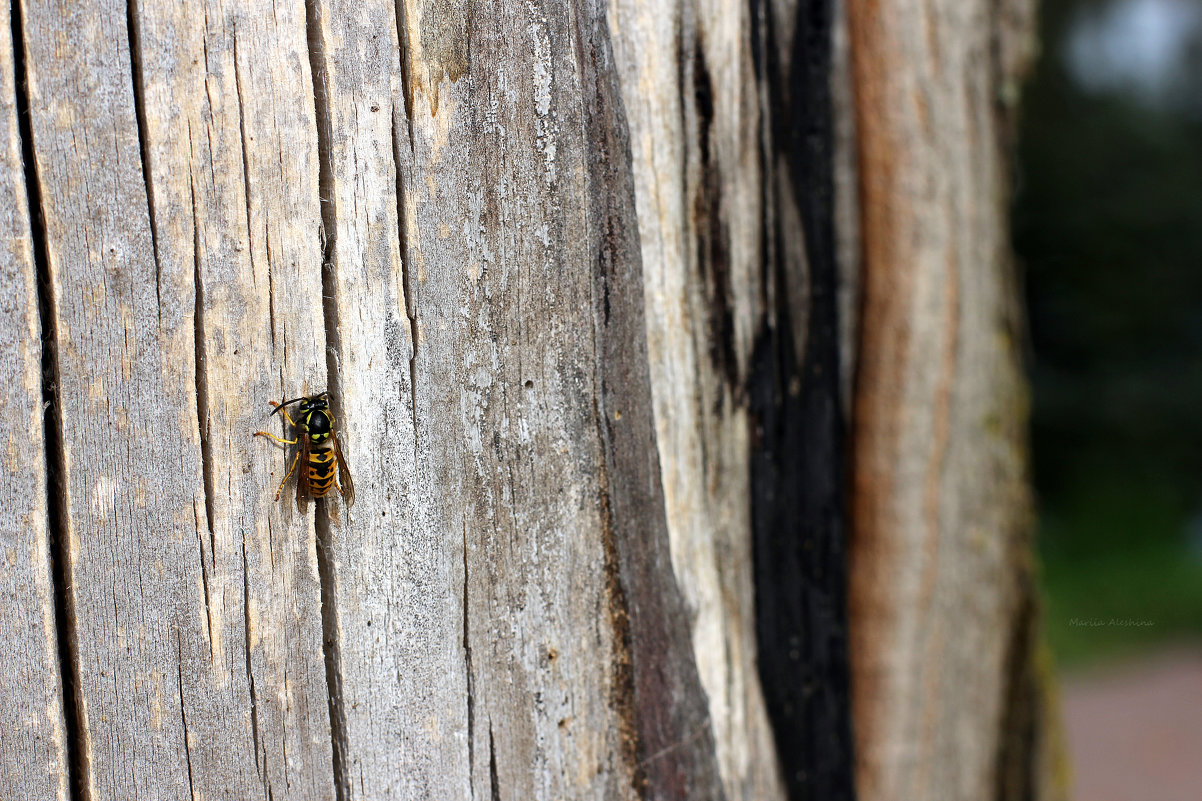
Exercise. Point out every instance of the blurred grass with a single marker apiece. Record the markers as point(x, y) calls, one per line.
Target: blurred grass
point(1120, 574)
point(1108, 227)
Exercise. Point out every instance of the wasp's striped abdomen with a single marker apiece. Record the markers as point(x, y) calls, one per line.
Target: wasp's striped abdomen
point(321, 472)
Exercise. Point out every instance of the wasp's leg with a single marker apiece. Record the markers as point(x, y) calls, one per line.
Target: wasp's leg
point(277, 439)
point(291, 422)
point(295, 459)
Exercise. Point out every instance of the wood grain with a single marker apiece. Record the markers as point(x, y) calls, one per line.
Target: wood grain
point(197, 609)
point(33, 739)
point(230, 149)
point(124, 396)
point(499, 616)
point(571, 243)
point(398, 559)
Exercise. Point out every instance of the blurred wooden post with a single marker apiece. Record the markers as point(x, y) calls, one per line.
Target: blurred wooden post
point(949, 703)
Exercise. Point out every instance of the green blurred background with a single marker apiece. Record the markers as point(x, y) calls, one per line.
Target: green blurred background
point(1108, 231)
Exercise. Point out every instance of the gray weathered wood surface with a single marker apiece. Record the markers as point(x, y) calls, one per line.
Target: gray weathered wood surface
point(499, 614)
point(399, 559)
point(493, 568)
point(231, 161)
point(186, 281)
point(33, 739)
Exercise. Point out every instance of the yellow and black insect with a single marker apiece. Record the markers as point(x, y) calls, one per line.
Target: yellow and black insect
point(317, 451)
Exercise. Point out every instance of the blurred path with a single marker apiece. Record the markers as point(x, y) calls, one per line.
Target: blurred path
point(1135, 730)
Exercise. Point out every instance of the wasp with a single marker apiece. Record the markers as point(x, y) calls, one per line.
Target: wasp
point(318, 451)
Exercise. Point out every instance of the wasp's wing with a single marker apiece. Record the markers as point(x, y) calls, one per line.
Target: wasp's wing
point(344, 475)
point(303, 493)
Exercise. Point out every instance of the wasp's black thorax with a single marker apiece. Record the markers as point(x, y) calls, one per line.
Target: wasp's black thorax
point(317, 425)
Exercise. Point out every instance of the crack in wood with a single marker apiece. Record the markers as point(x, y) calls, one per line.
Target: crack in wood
point(183, 715)
point(250, 248)
point(321, 519)
point(330, 647)
point(494, 785)
point(402, 29)
point(250, 675)
point(139, 95)
point(204, 580)
point(66, 633)
point(202, 408)
point(410, 299)
point(328, 234)
point(467, 658)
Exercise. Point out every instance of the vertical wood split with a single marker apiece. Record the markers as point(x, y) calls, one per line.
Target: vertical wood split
point(402, 32)
point(75, 736)
point(326, 564)
point(407, 286)
point(331, 649)
point(467, 669)
point(494, 785)
point(202, 386)
point(183, 714)
point(139, 96)
point(260, 755)
point(244, 149)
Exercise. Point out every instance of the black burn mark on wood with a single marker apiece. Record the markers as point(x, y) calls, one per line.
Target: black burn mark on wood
point(798, 452)
point(709, 222)
point(666, 739)
point(78, 756)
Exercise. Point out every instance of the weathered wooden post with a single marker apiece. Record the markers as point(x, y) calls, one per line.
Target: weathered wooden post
point(588, 322)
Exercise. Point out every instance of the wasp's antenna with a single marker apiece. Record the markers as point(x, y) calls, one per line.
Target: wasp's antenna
point(286, 403)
